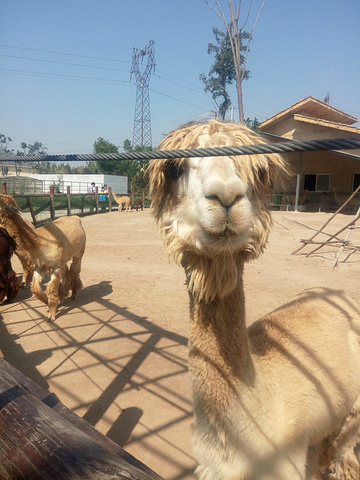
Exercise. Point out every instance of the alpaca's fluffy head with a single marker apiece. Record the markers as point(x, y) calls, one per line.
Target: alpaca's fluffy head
point(213, 207)
point(9, 201)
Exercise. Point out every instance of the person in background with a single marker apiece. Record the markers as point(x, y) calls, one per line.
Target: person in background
point(91, 189)
point(103, 196)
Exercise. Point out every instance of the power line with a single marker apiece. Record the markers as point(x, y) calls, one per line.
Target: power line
point(63, 53)
point(176, 99)
point(61, 63)
point(66, 77)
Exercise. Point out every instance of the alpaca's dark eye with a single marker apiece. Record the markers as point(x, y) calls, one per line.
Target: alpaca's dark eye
point(173, 169)
point(262, 175)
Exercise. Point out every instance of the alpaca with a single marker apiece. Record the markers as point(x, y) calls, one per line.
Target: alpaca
point(290, 199)
point(341, 198)
point(9, 284)
point(51, 247)
point(139, 203)
point(21, 252)
point(278, 400)
point(122, 201)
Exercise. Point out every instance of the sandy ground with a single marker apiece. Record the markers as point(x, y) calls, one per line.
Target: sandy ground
point(117, 355)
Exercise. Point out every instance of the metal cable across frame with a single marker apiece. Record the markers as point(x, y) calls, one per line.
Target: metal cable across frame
point(268, 148)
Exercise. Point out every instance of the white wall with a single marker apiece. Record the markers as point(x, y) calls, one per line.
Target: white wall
point(81, 183)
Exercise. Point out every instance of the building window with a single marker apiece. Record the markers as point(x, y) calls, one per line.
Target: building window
point(356, 181)
point(317, 182)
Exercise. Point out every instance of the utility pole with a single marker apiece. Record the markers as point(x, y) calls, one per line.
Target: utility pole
point(142, 119)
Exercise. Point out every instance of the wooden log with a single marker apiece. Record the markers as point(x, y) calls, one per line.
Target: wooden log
point(68, 201)
point(52, 204)
point(329, 220)
point(33, 216)
point(40, 439)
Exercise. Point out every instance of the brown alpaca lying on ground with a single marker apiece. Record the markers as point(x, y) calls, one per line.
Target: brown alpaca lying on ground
point(51, 247)
point(9, 284)
point(279, 400)
point(21, 252)
point(122, 201)
point(139, 203)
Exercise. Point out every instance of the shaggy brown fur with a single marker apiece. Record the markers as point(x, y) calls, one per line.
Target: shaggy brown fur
point(9, 284)
point(281, 399)
point(122, 201)
point(21, 252)
point(139, 203)
point(51, 247)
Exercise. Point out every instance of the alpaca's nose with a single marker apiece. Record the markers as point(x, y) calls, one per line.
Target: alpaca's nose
point(226, 192)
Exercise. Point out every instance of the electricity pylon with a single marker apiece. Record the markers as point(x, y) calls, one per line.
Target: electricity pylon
point(142, 119)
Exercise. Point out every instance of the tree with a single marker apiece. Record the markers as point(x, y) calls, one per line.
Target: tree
point(253, 124)
point(36, 149)
point(222, 73)
point(127, 168)
point(4, 144)
point(235, 34)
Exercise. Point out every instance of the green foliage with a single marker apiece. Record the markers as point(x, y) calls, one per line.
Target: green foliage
point(222, 73)
point(128, 168)
point(134, 169)
point(104, 146)
point(59, 184)
point(110, 167)
point(140, 181)
point(4, 144)
point(36, 149)
point(253, 124)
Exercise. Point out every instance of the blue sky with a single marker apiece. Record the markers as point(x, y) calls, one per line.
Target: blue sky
point(65, 65)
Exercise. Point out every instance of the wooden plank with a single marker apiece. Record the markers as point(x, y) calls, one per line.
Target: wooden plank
point(33, 216)
point(40, 439)
point(52, 205)
point(68, 201)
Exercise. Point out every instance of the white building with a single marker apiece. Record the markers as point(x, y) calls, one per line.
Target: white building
point(81, 183)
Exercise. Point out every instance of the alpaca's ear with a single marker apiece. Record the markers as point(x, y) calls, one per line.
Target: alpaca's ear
point(5, 206)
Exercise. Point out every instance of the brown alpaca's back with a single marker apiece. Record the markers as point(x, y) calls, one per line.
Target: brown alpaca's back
point(21, 250)
point(51, 247)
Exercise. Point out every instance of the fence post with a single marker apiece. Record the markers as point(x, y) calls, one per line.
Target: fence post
point(68, 200)
point(33, 216)
point(4, 188)
point(52, 206)
point(97, 199)
point(110, 195)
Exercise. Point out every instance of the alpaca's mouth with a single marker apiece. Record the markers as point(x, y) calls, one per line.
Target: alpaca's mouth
point(229, 231)
point(222, 231)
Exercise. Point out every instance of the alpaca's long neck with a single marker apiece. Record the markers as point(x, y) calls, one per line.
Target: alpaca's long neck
point(19, 229)
point(220, 360)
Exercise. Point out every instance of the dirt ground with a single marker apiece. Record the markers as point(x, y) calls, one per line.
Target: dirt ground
point(117, 354)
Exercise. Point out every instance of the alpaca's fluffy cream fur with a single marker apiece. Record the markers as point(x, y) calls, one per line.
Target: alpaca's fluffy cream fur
point(280, 400)
point(51, 247)
point(122, 201)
